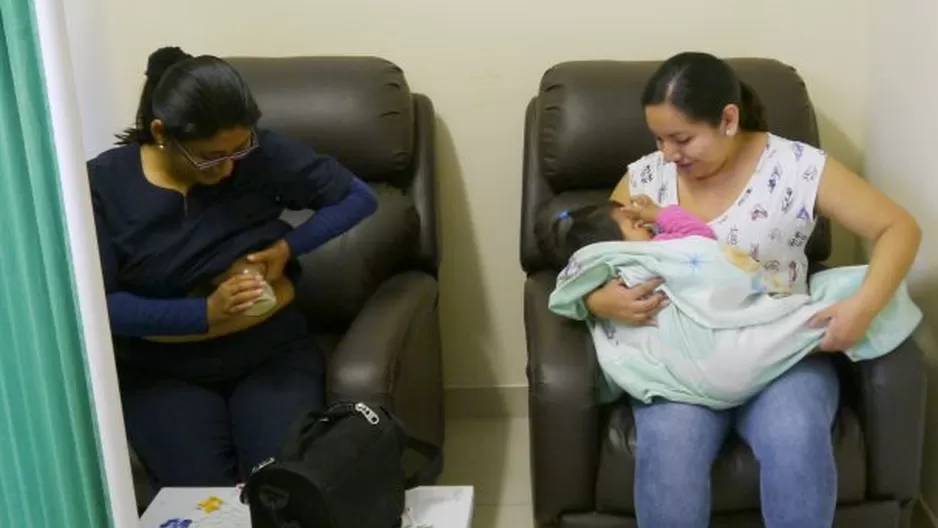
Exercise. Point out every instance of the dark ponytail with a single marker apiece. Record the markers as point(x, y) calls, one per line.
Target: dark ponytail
point(700, 85)
point(562, 234)
point(194, 97)
point(158, 63)
point(751, 110)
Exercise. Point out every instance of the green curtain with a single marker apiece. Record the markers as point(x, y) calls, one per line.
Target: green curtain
point(50, 470)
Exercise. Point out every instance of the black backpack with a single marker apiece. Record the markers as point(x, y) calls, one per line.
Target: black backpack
point(340, 468)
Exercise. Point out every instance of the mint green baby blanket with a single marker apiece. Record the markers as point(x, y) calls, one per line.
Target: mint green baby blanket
point(729, 330)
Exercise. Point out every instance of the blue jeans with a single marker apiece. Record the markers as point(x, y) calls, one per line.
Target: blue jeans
point(787, 425)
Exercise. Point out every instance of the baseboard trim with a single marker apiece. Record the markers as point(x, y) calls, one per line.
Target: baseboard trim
point(926, 517)
point(487, 402)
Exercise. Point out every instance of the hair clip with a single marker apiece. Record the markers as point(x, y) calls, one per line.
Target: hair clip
point(563, 214)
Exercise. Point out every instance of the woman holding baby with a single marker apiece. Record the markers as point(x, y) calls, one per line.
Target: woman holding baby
point(762, 194)
point(214, 359)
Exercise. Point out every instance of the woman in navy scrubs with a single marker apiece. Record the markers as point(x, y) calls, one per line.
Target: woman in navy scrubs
point(209, 391)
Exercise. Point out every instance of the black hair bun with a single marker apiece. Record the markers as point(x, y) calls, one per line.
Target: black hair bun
point(164, 58)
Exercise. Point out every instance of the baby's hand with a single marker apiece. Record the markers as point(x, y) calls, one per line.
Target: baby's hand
point(642, 207)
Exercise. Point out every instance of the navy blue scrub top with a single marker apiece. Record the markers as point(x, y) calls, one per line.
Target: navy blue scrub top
point(157, 243)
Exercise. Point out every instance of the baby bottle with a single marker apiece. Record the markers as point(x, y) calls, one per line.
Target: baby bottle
point(268, 299)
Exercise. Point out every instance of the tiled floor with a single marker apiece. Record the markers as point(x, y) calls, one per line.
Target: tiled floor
point(492, 456)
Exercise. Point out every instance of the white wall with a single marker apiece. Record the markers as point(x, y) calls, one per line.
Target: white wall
point(903, 127)
point(480, 62)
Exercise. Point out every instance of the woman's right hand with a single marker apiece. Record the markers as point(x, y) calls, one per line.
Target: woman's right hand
point(637, 305)
point(234, 296)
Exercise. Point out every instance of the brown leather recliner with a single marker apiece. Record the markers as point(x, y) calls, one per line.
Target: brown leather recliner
point(581, 130)
point(371, 294)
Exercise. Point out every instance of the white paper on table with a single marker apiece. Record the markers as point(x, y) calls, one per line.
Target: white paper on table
point(427, 507)
point(439, 507)
point(182, 504)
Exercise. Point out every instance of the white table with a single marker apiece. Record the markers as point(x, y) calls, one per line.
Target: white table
point(427, 507)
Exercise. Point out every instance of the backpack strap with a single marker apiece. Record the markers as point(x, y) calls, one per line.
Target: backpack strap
point(426, 449)
point(430, 452)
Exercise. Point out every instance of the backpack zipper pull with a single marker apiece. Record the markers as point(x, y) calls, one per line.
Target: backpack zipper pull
point(366, 411)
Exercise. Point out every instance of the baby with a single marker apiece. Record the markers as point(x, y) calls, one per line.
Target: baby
point(725, 334)
point(638, 221)
point(268, 299)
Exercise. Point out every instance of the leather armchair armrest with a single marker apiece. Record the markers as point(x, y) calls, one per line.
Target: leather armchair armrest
point(367, 361)
point(563, 409)
point(891, 393)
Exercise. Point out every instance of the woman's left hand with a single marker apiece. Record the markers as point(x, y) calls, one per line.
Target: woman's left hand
point(847, 322)
point(274, 258)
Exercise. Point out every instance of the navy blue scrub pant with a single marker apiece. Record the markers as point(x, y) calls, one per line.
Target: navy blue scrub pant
point(212, 433)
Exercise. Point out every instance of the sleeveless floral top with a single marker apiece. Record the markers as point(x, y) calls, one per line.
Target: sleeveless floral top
point(771, 219)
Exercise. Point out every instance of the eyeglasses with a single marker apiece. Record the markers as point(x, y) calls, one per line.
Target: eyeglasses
point(204, 165)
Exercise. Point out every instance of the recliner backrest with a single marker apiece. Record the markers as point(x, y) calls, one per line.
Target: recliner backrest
point(587, 124)
point(359, 110)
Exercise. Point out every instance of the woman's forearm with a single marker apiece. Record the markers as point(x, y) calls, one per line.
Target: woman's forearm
point(332, 220)
point(134, 316)
point(285, 293)
point(891, 259)
point(854, 203)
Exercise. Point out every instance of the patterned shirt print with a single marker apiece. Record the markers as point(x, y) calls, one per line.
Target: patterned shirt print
point(771, 220)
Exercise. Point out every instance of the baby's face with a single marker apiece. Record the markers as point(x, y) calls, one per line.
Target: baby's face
point(633, 230)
